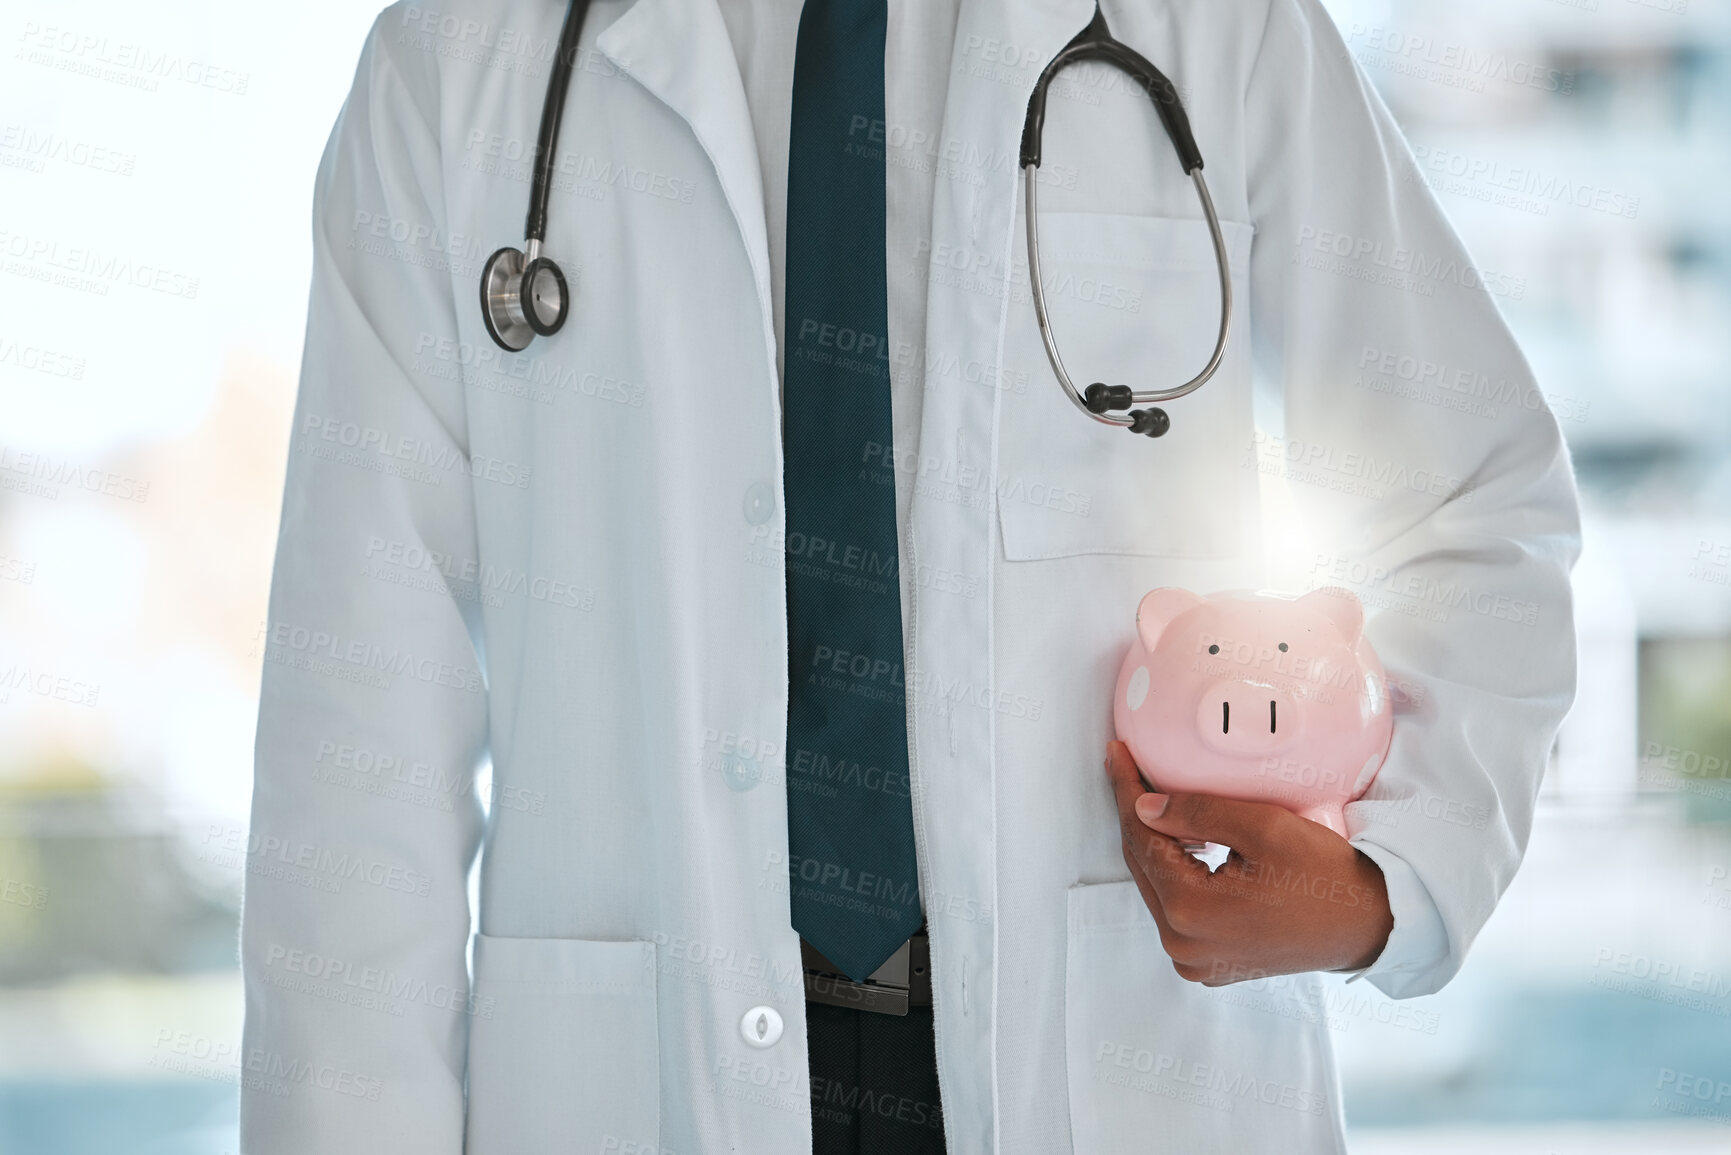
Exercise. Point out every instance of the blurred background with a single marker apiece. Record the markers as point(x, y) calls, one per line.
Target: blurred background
point(155, 184)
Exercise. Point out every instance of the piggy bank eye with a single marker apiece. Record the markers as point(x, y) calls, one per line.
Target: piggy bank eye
point(1283, 647)
point(1214, 649)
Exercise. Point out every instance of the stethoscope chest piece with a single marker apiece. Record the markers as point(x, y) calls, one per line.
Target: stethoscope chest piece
point(522, 295)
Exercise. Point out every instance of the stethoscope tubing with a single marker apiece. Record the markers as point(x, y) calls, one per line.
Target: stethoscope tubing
point(1030, 198)
point(1096, 42)
point(552, 112)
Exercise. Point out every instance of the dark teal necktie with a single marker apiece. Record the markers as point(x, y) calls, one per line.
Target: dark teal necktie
point(853, 885)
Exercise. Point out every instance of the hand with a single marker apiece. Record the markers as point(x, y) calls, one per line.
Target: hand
point(1292, 896)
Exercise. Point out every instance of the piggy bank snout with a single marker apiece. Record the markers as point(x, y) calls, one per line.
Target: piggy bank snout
point(1246, 718)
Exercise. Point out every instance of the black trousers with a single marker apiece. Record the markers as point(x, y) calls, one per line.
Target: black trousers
point(874, 1082)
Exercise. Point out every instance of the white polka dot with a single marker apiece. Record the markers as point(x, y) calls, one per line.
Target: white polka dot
point(1137, 691)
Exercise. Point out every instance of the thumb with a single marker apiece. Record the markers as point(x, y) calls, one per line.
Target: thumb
point(1244, 826)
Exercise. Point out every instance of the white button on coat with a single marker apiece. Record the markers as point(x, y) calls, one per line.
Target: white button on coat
point(759, 502)
point(761, 1026)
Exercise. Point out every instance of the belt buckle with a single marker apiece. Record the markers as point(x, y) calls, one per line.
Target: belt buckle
point(903, 981)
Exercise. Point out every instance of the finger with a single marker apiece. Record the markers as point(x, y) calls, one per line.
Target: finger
point(1153, 859)
point(1244, 826)
point(1177, 946)
point(1127, 787)
point(1172, 870)
point(1127, 784)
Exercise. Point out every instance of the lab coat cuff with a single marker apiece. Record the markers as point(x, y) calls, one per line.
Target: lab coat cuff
point(1418, 941)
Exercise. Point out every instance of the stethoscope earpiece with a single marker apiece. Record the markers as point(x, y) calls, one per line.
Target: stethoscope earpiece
point(1101, 399)
point(1150, 422)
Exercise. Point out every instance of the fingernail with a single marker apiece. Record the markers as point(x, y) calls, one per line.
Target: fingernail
point(1150, 806)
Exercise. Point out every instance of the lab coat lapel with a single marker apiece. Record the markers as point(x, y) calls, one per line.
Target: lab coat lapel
point(680, 51)
point(953, 709)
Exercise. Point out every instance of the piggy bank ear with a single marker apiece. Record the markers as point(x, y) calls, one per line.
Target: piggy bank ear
point(1157, 610)
point(1339, 606)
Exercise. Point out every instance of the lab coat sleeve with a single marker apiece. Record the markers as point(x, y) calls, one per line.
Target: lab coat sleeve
point(1424, 471)
point(372, 718)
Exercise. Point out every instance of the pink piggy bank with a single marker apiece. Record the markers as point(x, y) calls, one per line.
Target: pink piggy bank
point(1256, 696)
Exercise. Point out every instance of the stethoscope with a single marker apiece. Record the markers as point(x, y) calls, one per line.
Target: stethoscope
point(524, 293)
point(1101, 401)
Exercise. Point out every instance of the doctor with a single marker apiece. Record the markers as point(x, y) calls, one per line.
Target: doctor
point(784, 567)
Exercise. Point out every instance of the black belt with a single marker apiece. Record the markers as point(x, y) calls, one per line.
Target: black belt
point(905, 979)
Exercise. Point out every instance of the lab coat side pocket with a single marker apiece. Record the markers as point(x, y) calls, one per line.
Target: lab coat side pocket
point(564, 1051)
point(1154, 1061)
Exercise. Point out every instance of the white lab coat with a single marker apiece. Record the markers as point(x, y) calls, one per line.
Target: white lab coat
point(570, 562)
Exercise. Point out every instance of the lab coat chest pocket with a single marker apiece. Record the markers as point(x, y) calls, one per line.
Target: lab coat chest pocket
point(1133, 300)
point(563, 1047)
point(1154, 1061)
